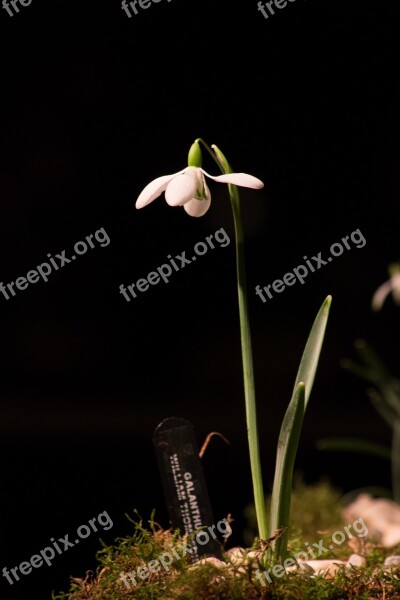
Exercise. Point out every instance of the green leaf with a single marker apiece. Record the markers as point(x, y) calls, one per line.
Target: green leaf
point(375, 372)
point(396, 462)
point(285, 457)
point(371, 359)
point(309, 360)
point(354, 445)
point(386, 411)
point(291, 427)
point(366, 373)
point(390, 396)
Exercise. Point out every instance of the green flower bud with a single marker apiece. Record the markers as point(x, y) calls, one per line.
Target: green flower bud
point(194, 156)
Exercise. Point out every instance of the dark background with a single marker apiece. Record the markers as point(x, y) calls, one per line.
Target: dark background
point(94, 106)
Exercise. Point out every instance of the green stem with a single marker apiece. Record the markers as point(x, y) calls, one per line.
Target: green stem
point(212, 154)
point(247, 358)
point(248, 374)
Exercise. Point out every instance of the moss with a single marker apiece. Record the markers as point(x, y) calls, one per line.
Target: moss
point(313, 507)
point(315, 514)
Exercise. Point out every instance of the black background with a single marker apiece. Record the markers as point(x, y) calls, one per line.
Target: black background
point(96, 105)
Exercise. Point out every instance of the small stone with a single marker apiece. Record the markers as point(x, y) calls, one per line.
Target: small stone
point(237, 560)
point(330, 567)
point(240, 558)
point(304, 567)
point(210, 560)
point(215, 562)
point(356, 560)
point(292, 569)
point(236, 555)
point(392, 560)
point(380, 515)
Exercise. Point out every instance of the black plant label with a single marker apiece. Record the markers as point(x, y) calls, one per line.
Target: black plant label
point(184, 486)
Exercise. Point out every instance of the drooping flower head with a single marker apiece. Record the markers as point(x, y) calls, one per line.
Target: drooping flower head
point(392, 285)
point(188, 188)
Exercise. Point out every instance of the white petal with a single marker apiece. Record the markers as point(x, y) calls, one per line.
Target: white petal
point(154, 189)
point(396, 287)
point(181, 189)
point(198, 208)
point(241, 179)
point(381, 294)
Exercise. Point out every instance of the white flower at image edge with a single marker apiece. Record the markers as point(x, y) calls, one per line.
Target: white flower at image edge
point(392, 286)
point(188, 188)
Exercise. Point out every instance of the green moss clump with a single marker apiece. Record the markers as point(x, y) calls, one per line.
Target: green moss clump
point(316, 512)
point(313, 507)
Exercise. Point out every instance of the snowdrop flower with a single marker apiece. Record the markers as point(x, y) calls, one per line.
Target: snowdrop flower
point(392, 285)
point(188, 188)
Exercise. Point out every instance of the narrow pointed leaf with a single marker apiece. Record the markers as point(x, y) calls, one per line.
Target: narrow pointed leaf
point(309, 360)
point(354, 445)
point(396, 461)
point(386, 412)
point(291, 427)
point(363, 372)
point(371, 359)
point(286, 454)
point(391, 398)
